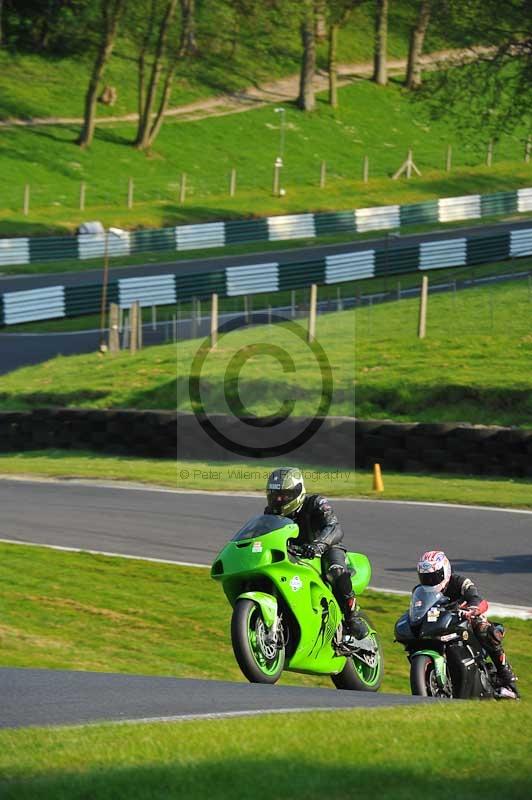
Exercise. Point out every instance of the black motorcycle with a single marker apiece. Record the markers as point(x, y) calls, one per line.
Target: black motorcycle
point(446, 658)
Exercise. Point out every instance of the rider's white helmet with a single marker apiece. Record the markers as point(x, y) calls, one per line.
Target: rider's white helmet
point(434, 569)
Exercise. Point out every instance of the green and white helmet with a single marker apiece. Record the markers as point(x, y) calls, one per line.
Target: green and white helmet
point(285, 491)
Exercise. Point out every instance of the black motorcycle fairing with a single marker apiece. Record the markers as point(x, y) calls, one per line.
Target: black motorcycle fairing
point(403, 630)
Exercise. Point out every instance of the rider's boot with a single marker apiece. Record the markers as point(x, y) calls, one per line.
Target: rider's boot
point(507, 678)
point(355, 627)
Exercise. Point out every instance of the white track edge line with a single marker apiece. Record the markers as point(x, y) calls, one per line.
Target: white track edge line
point(498, 609)
point(137, 487)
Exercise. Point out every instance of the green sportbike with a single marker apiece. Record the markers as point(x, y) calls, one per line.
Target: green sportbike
point(285, 615)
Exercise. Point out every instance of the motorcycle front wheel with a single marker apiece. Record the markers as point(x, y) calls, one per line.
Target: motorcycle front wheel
point(260, 660)
point(423, 680)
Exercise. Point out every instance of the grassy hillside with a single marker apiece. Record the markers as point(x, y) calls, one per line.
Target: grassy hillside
point(474, 366)
point(379, 122)
point(37, 85)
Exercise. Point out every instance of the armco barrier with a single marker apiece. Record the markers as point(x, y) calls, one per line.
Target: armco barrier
point(278, 228)
point(341, 442)
point(166, 289)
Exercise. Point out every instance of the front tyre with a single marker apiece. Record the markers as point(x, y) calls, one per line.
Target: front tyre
point(261, 660)
point(362, 673)
point(423, 679)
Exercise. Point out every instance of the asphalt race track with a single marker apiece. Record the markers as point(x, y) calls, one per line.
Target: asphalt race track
point(492, 546)
point(57, 697)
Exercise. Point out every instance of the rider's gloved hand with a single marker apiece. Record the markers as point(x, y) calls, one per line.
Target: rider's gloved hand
point(308, 551)
point(468, 612)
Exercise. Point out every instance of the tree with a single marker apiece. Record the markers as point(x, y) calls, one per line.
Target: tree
point(380, 69)
point(149, 127)
point(339, 13)
point(417, 38)
point(188, 45)
point(110, 14)
point(306, 100)
point(489, 90)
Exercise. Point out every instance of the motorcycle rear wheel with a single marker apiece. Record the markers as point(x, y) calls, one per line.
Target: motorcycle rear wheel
point(423, 678)
point(259, 662)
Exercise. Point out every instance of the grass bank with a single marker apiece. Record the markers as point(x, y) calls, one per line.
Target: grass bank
point(246, 477)
point(80, 611)
point(70, 610)
point(370, 752)
point(473, 366)
point(380, 122)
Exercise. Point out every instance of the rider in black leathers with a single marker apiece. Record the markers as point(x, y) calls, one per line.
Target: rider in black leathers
point(320, 534)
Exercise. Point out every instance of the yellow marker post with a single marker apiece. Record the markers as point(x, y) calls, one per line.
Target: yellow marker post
point(378, 485)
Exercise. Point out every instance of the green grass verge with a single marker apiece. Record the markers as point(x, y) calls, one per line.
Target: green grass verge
point(395, 754)
point(247, 476)
point(79, 611)
point(473, 366)
point(208, 149)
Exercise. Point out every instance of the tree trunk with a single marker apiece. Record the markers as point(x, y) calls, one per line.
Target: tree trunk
point(111, 12)
point(1, 22)
point(146, 39)
point(163, 104)
point(188, 45)
point(320, 17)
point(380, 70)
point(332, 65)
point(417, 37)
point(306, 99)
point(143, 131)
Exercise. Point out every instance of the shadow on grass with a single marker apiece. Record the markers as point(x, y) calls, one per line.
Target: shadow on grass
point(263, 779)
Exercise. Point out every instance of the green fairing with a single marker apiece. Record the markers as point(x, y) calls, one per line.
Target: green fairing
point(439, 664)
point(267, 603)
point(246, 567)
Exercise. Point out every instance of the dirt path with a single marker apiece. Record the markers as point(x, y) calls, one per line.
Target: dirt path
point(279, 91)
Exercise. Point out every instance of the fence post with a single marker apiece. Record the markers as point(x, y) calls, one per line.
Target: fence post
point(528, 148)
point(214, 320)
point(82, 196)
point(277, 177)
point(339, 301)
point(114, 328)
point(134, 326)
point(312, 312)
point(232, 183)
point(154, 318)
point(323, 174)
point(489, 157)
point(293, 303)
point(26, 199)
point(183, 187)
point(130, 188)
point(423, 307)
point(193, 319)
point(449, 159)
point(365, 169)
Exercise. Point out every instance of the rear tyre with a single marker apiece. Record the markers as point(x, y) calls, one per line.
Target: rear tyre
point(259, 660)
point(423, 680)
point(359, 676)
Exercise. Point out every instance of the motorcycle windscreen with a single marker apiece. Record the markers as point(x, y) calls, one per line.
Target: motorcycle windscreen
point(423, 598)
point(261, 525)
